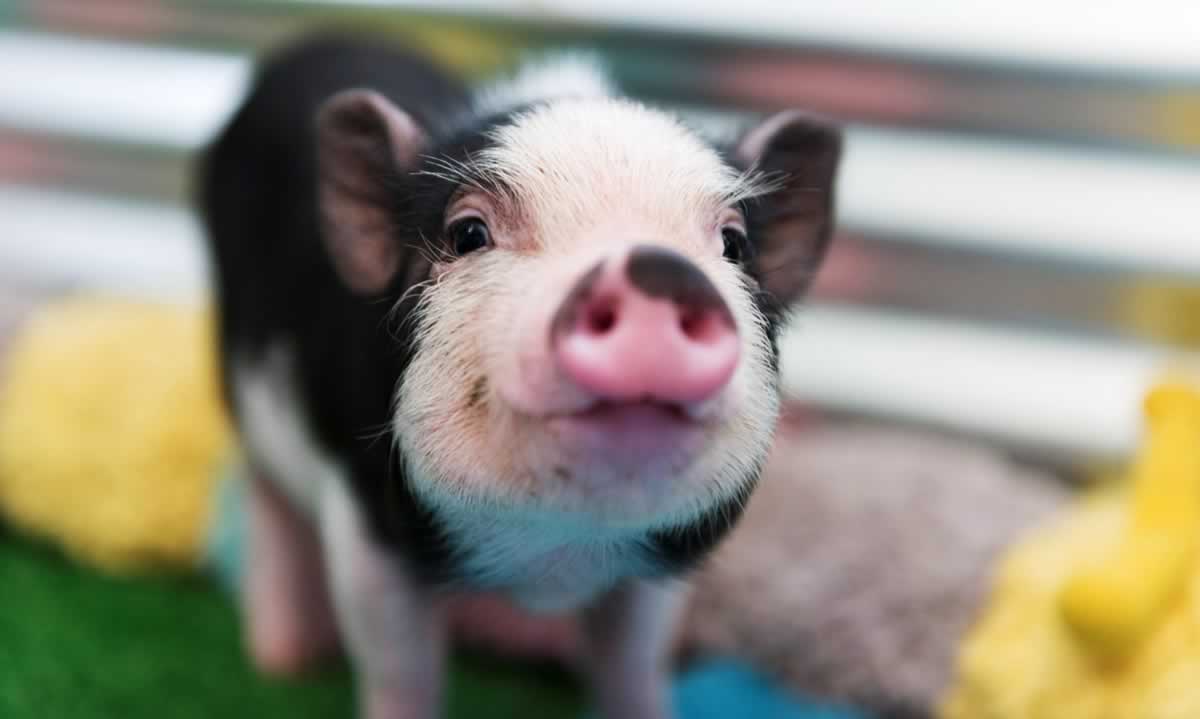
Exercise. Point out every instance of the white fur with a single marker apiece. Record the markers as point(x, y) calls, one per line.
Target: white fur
point(720, 128)
point(631, 633)
point(390, 623)
point(542, 563)
point(580, 154)
point(556, 80)
point(274, 428)
point(553, 76)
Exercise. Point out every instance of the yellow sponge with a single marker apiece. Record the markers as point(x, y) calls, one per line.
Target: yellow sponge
point(112, 433)
point(1114, 603)
point(1098, 615)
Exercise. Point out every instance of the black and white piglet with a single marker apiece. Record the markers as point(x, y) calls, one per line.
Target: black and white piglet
point(520, 340)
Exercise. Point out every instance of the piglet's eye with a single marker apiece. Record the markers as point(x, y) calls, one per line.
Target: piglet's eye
point(469, 234)
point(735, 244)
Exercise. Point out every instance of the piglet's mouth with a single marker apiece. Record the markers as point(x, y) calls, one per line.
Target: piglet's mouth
point(641, 410)
point(618, 419)
point(624, 431)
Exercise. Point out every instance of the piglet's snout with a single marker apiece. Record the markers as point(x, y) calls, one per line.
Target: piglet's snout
point(646, 326)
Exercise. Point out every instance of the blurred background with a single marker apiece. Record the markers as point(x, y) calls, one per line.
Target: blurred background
point(1019, 211)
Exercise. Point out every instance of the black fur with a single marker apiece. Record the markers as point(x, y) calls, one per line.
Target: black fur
point(660, 272)
point(275, 281)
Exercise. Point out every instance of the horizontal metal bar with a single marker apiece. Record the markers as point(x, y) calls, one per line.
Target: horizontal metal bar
point(1006, 290)
point(1037, 393)
point(85, 164)
point(1091, 101)
point(134, 94)
point(1108, 210)
point(70, 240)
point(1154, 36)
point(1091, 208)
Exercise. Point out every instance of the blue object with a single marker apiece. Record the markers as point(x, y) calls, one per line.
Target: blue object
point(227, 538)
point(731, 690)
point(726, 689)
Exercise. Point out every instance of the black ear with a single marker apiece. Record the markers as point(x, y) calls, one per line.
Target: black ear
point(792, 225)
point(362, 141)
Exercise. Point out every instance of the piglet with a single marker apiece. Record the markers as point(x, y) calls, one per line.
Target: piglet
point(518, 340)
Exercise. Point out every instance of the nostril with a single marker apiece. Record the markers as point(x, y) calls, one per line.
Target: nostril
point(601, 318)
point(689, 322)
point(699, 325)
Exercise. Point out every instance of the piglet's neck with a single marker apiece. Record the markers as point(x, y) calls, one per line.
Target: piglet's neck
point(546, 564)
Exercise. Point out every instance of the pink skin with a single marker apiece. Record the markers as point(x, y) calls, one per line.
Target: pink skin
point(490, 623)
point(630, 635)
point(624, 346)
point(393, 626)
point(291, 623)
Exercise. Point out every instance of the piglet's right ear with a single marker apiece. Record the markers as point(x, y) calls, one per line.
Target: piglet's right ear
point(796, 218)
point(362, 140)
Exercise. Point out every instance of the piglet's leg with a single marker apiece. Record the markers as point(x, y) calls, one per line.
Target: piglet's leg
point(391, 626)
point(288, 618)
point(630, 637)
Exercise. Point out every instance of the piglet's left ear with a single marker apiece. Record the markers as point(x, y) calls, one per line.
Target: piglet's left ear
point(792, 225)
point(362, 140)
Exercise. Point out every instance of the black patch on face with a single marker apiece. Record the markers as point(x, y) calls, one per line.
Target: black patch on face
point(666, 274)
point(759, 214)
point(423, 195)
point(680, 549)
point(756, 215)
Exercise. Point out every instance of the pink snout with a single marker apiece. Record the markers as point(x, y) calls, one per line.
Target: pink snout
point(650, 326)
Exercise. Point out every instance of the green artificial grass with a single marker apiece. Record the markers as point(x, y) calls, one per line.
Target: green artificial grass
point(75, 644)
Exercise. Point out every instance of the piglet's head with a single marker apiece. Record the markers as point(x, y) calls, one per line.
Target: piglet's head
point(598, 295)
